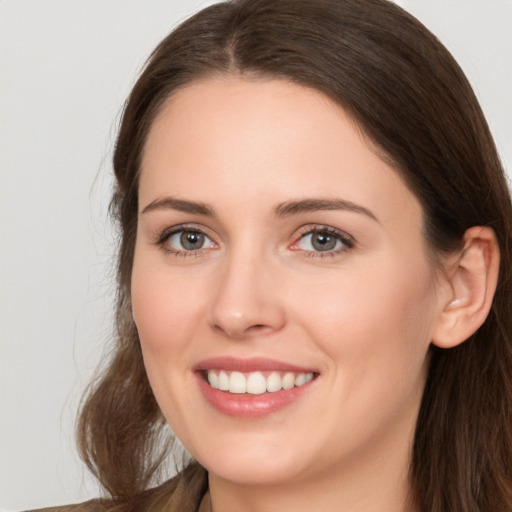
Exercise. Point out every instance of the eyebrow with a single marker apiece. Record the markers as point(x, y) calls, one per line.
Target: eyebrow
point(181, 205)
point(286, 209)
point(313, 205)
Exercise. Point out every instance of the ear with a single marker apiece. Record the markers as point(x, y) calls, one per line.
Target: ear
point(472, 277)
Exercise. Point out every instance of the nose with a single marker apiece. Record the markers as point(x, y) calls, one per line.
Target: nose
point(247, 302)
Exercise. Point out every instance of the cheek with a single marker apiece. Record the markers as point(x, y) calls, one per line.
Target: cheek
point(375, 320)
point(166, 309)
point(375, 330)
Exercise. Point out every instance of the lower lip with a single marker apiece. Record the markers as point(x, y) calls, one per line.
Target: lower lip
point(247, 405)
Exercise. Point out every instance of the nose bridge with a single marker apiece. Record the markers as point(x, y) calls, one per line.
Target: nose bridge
point(246, 303)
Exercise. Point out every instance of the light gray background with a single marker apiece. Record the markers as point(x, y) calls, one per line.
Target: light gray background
point(66, 68)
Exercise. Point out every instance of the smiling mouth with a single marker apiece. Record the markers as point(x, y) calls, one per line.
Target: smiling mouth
point(256, 383)
point(253, 388)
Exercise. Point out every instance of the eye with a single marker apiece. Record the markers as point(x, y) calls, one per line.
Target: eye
point(323, 240)
point(186, 240)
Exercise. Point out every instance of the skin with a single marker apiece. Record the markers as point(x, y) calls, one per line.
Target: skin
point(362, 317)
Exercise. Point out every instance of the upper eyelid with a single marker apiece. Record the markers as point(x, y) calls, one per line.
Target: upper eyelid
point(164, 234)
point(318, 228)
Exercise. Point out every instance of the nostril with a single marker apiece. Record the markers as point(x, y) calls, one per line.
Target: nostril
point(258, 328)
point(243, 332)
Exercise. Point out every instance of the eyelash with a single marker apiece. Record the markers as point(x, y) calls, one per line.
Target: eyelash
point(347, 241)
point(164, 237)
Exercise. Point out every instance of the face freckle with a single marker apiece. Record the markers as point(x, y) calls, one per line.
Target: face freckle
point(312, 262)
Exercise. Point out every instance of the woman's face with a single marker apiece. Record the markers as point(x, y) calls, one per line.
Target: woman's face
point(276, 251)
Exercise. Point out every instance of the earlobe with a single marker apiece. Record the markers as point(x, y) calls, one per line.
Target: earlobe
point(473, 279)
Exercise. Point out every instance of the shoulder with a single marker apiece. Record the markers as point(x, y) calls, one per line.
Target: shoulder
point(183, 493)
point(89, 506)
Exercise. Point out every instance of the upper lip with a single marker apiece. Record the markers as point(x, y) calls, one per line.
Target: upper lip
point(248, 365)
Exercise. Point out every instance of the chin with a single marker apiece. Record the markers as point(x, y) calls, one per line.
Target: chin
point(252, 459)
point(246, 471)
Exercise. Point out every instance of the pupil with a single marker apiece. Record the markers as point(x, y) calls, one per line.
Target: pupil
point(323, 242)
point(192, 240)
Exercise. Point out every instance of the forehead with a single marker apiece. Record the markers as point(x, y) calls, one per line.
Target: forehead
point(239, 141)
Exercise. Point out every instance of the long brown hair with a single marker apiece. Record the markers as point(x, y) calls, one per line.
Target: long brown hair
point(410, 98)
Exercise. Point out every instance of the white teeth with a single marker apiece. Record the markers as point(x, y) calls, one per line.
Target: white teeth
point(237, 383)
point(255, 383)
point(288, 380)
point(223, 381)
point(274, 382)
point(300, 379)
point(213, 379)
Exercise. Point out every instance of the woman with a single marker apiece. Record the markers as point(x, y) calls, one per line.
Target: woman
point(314, 272)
